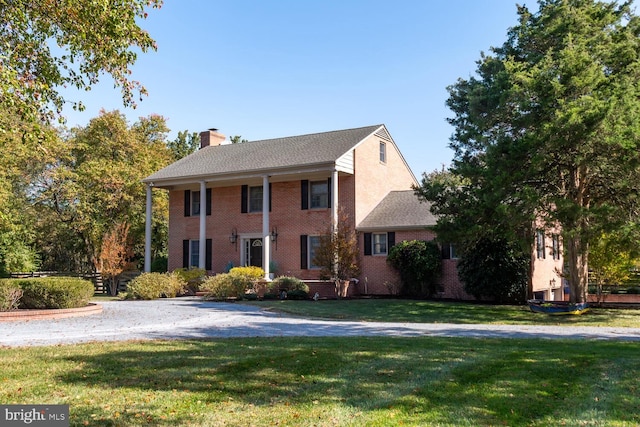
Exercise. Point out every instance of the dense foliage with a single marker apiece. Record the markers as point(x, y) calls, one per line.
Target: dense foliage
point(495, 269)
point(419, 264)
point(549, 127)
point(148, 286)
point(47, 45)
point(53, 292)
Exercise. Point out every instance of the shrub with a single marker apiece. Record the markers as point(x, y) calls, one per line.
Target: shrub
point(54, 292)
point(493, 267)
point(290, 284)
point(149, 286)
point(633, 290)
point(418, 263)
point(250, 272)
point(225, 285)
point(298, 294)
point(10, 294)
point(192, 278)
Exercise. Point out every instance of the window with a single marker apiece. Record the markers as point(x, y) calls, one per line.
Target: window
point(449, 251)
point(383, 152)
point(191, 253)
point(540, 244)
point(555, 246)
point(193, 202)
point(194, 253)
point(255, 199)
point(316, 194)
point(319, 194)
point(379, 243)
point(314, 244)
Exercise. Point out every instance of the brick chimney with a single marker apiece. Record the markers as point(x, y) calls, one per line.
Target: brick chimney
point(211, 137)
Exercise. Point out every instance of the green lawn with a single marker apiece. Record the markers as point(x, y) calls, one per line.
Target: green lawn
point(397, 310)
point(332, 382)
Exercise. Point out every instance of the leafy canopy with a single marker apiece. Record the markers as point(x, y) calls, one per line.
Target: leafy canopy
point(50, 44)
point(550, 127)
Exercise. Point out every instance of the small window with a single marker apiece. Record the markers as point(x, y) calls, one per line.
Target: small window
point(383, 152)
point(255, 199)
point(195, 203)
point(555, 246)
point(449, 251)
point(314, 244)
point(540, 244)
point(194, 253)
point(319, 194)
point(379, 241)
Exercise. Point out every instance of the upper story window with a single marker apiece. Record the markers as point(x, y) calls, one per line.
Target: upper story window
point(316, 194)
point(251, 198)
point(255, 199)
point(540, 244)
point(555, 246)
point(383, 152)
point(193, 202)
point(319, 194)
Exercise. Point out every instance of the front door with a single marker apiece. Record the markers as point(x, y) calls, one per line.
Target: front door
point(254, 252)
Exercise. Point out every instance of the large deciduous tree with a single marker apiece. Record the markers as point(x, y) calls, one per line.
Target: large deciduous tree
point(95, 185)
point(550, 126)
point(50, 44)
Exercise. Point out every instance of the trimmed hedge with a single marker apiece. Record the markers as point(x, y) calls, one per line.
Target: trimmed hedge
point(226, 285)
point(148, 286)
point(10, 294)
point(54, 292)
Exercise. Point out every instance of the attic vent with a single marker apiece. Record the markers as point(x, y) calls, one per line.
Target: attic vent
point(382, 133)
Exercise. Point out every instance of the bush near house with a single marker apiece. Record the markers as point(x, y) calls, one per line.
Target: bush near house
point(149, 286)
point(295, 288)
point(192, 277)
point(10, 294)
point(418, 263)
point(225, 285)
point(54, 292)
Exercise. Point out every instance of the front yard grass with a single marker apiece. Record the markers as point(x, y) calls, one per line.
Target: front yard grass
point(421, 311)
point(331, 382)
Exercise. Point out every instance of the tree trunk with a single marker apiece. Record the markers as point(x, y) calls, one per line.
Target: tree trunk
point(577, 252)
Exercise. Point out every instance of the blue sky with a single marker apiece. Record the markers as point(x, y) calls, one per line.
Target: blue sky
point(267, 69)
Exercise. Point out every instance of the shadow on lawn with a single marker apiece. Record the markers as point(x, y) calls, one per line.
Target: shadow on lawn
point(517, 382)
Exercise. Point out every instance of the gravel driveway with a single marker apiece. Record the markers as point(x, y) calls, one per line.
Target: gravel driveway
point(192, 317)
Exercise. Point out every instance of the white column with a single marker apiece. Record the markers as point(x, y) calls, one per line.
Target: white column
point(334, 211)
point(266, 235)
point(334, 199)
point(147, 231)
point(203, 225)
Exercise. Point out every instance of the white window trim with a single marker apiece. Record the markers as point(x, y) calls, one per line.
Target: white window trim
point(310, 255)
point(311, 194)
point(373, 244)
point(250, 207)
point(383, 152)
point(194, 243)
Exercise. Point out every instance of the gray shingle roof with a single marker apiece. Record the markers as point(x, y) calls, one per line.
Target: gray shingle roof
point(398, 210)
point(303, 150)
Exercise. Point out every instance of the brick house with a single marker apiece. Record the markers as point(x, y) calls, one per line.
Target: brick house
point(266, 203)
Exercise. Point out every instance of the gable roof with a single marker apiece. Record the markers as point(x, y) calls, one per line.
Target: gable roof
point(269, 154)
point(399, 210)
